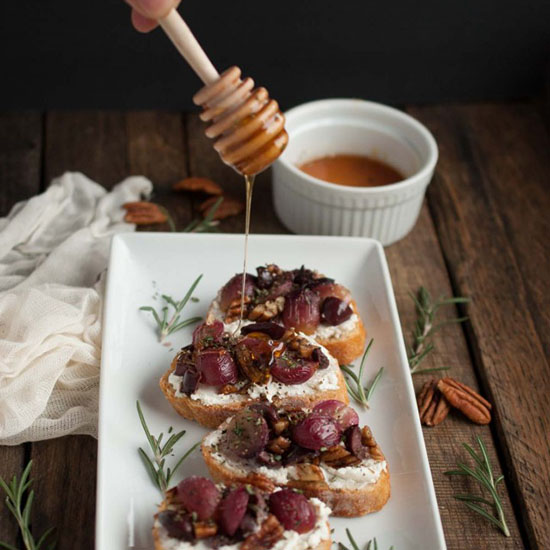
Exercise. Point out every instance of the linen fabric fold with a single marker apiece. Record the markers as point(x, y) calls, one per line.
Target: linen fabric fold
point(54, 248)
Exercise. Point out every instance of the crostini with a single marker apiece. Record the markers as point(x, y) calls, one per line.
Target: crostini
point(301, 299)
point(199, 514)
point(220, 373)
point(321, 451)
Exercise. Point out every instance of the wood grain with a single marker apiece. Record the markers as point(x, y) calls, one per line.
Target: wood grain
point(416, 261)
point(491, 156)
point(20, 160)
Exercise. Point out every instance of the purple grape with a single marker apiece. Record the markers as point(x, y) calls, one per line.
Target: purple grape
point(199, 495)
point(335, 311)
point(344, 415)
point(217, 367)
point(246, 434)
point(316, 431)
point(232, 509)
point(206, 334)
point(233, 288)
point(293, 510)
point(290, 370)
point(301, 311)
point(273, 330)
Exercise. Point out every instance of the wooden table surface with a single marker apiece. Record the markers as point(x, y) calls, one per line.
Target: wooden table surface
point(483, 232)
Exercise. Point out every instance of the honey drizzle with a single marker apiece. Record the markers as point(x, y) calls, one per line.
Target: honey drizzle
point(249, 183)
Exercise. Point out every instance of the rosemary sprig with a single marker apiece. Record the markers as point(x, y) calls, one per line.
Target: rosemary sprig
point(161, 475)
point(207, 224)
point(371, 544)
point(167, 325)
point(354, 384)
point(425, 327)
point(482, 472)
point(19, 501)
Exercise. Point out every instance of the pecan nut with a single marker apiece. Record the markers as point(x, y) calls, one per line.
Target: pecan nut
point(367, 439)
point(267, 310)
point(228, 207)
point(263, 483)
point(278, 445)
point(338, 457)
point(269, 533)
point(198, 184)
point(309, 472)
point(466, 400)
point(205, 529)
point(432, 404)
point(234, 310)
point(143, 213)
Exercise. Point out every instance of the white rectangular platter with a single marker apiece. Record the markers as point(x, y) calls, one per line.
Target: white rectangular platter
point(145, 265)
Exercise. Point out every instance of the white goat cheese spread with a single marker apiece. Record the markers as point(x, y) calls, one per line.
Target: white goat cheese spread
point(291, 539)
point(321, 381)
point(351, 477)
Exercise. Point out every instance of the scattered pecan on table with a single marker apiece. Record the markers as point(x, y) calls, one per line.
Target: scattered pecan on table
point(143, 213)
point(203, 185)
point(432, 405)
point(228, 207)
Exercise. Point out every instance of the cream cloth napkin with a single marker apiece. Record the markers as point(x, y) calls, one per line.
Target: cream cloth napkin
point(53, 249)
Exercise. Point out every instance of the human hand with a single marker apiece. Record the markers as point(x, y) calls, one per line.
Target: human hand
point(146, 13)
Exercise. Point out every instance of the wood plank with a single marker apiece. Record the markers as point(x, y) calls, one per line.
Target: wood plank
point(95, 144)
point(205, 162)
point(20, 160)
point(481, 236)
point(415, 261)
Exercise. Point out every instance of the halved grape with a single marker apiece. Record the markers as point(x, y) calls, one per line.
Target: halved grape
point(232, 509)
point(273, 330)
point(353, 442)
point(199, 495)
point(291, 370)
point(233, 288)
point(344, 415)
point(281, 287)
point(301, 311)
point(293, 510)
point(335, 311)
point(208, 333)
point(318, 356)
point(332, 289)
point(190, 381)
point(316, 431)
point(246, 434)
point(217, 367)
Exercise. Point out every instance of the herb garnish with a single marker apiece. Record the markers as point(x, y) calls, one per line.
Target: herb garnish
point(208, 224)
point(482, 472)
point(354, 384)
point(168, 326)
point(19, 502)
point(371, 544)
point(160, 476)
point(424, 327)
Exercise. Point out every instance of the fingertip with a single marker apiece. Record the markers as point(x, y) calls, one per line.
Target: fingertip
point(142, 23)
point(154, 9)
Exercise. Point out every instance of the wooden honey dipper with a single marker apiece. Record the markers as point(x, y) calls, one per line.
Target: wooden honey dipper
point(247, 125)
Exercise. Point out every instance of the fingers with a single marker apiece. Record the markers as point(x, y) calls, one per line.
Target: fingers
point(145, 13)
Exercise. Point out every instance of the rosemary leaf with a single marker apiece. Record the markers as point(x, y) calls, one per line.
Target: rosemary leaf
point(482, 472)
point(165, 325)
point(19, 500)
point(425, 327)
point(361, 394)
point(161, 474)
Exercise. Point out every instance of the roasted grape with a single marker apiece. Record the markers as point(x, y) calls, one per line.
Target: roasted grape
point(335, 311)
point(233, 288)
point(207, 334)
point(291, 370)
point(331, 289)
point(190, 381)
point(301, 311)
point(293, 510)
point(246, 434)
point(316, 431)
point(199, 495)
point(273, 330)
point(353, 442)
point(344, 415)
point(216, 367)
point(232, 510)
point(268, 411)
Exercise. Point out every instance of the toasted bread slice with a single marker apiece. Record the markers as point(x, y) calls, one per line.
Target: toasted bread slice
point(319, 538)
point(210, 409)
point(349, 491)
point(345, 342)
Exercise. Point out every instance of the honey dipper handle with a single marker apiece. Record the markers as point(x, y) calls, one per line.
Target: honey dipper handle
point(182, 37)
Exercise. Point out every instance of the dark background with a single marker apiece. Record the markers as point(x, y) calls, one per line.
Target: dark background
point(85, 54)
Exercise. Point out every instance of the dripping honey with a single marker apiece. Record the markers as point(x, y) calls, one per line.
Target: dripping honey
point(353, 170)
point(249, 184)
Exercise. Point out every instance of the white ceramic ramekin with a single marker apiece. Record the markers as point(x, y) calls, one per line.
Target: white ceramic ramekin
point(309, 205)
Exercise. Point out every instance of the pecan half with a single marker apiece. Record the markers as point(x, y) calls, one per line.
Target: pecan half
point(432, 405)
point(338, 457)
point(268, 310)
point(368, 440)
point(269, 533)
point(198, 184)
point(278, 445)
point(205, 529)
point(466, 400)
point(228, 207)
point(309, 472)
point(280, 426)
point(234, 310)
point(143, 213)
point(263, 483)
